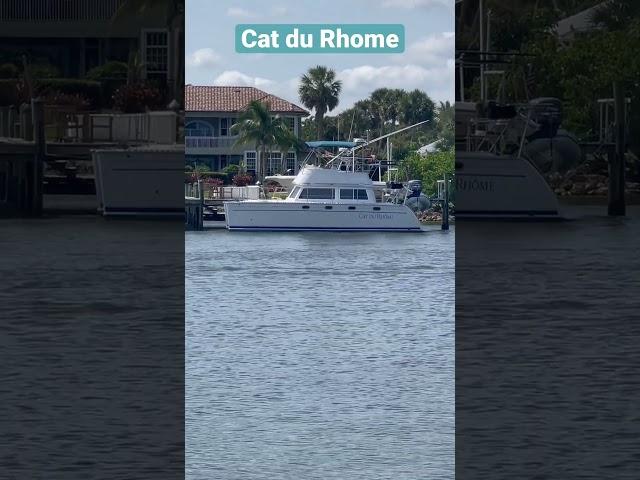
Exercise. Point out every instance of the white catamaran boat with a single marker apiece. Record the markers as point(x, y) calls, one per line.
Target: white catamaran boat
point(337, 195)
point(323, 199)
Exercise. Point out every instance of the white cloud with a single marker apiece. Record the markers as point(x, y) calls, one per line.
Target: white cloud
point(204, 57)
point(433, 50)
point(279, 11)
point(236, 78)
point(359, 82)
point(239, 12)
point(410, 4)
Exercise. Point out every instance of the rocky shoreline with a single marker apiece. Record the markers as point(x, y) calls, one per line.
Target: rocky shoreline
point(592, 178)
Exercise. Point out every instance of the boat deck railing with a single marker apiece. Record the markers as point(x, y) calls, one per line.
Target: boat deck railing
point(221, 193)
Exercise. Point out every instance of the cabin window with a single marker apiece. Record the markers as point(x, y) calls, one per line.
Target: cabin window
point(361, 195)
point(346, 194)
point(353, 194)
point(316, 194)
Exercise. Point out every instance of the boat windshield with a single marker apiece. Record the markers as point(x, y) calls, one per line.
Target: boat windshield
point(294, 192)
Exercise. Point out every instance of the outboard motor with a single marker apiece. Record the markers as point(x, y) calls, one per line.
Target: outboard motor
point(547, 112)
point(415, 199)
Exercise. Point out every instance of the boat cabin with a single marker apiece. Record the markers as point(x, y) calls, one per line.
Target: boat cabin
point(320, 185)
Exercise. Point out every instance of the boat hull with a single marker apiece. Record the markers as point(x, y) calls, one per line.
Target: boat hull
point(293, 216)
point(501, 187)
point(140, 182)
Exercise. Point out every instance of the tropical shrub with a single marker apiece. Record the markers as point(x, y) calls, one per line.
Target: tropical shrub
point(111, 75)
point(74, 100)
point(44, 70)
point(231, 170)
point(428, 168)
point(137, 98)
point(9, 70)
point(87, 89)
point(108, 71)
point(242, 180)
point(213, 182)
point(8, 92)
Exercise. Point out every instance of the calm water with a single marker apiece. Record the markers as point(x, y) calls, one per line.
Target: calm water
point(319, 356)
point(547, 337)
point(90, 347)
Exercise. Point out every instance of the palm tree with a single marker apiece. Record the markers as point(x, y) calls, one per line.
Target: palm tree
point(319, 90)
point(256, 126)
point(415, 107)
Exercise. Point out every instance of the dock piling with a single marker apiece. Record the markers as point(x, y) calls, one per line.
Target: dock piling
point(616, 156)
point(40, 152)
point(194, 208)
point(445, 204)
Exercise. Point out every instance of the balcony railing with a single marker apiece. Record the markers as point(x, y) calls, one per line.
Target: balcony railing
point(209, 142)
point(58, 10)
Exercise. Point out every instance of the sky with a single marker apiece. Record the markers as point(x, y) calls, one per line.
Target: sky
point(427, 62)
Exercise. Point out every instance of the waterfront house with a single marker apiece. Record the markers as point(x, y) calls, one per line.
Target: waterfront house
point(77, 35)
point(210, 112)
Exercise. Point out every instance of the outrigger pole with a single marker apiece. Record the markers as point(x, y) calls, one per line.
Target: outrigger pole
point(352, 150)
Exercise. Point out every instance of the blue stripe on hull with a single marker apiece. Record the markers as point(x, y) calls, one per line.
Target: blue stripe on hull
point(327, 229)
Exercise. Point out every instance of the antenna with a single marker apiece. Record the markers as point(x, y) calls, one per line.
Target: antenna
point(351, 127)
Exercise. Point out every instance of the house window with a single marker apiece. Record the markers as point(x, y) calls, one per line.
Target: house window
point(275, 162)
point(291, 161)
point(225, 126)
point(156, 54)
point(316, 194)
point(289, 122)
point(198, 129)
point(250, 161)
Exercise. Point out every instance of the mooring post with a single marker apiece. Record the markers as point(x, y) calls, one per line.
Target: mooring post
point(26, 122)
point(616, 160)
point(201, 210)
point(445, 205)
point(40, 151)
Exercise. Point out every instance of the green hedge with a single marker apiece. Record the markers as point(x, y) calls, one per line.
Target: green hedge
point(108, 71)
point(9, 70)
point(8, 92)
point(89, 89)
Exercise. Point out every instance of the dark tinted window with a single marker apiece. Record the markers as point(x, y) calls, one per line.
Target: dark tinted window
point(362, 195)
point(346, 193)
point(317, 193)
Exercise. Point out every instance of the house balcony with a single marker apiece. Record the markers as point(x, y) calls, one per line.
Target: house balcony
point(203, 145)
point(58, 10)
point(73, 19)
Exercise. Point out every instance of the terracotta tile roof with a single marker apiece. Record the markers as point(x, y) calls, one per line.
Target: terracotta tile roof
point(233, 99)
